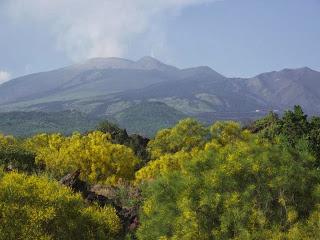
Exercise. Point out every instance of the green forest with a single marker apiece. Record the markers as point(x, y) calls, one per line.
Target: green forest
point(191, 182)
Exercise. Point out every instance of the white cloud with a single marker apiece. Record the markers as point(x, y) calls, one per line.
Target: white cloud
point(4, 76)
point(98, 28)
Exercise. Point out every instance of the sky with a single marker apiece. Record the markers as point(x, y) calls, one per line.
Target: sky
point(234, 37)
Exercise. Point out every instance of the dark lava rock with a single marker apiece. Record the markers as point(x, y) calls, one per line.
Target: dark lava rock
point(73, 181)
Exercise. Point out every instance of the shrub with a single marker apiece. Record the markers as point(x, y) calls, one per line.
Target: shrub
point(34, 207)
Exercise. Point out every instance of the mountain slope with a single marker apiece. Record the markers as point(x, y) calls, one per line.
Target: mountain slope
point(106, 87)
point(288, 87)
point(198, 94)
point(91, 78)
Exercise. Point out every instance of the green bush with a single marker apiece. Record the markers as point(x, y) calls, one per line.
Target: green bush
point(15, 156)
point(240, 186)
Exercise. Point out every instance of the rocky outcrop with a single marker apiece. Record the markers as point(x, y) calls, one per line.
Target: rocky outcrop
point(105, 195)
point(73, 181)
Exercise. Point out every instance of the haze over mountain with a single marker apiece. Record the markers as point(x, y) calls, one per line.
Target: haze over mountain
point(111, 87)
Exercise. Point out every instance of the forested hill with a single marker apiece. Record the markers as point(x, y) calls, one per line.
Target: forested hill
point(145, 118)
point(191, 181)
point(22, 124)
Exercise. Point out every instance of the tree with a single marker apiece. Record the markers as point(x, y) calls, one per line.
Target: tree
point(314, 137)
point(294, 125)
point(118, 135)
point(267, 126)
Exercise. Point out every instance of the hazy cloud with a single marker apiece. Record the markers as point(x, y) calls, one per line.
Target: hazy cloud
point(4, 76)
point(98, 28)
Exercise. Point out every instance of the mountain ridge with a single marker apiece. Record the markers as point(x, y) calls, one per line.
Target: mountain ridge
point(108, 86)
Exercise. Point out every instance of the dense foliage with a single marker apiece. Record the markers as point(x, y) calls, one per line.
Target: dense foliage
point(14, 155)
point(99, 160)
point(239, 187)
point(38, 208)
point(294, 127)
point(191, 181)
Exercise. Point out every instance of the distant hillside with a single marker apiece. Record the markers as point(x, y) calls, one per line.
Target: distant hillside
point(144, 118)
point(112, 87)
point(29, 123)
point(288, 87)
point(148, 117)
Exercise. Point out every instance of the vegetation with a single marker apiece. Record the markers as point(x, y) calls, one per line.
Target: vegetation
point(25, 124)
point(191, 181)
point(98, 159)
point(14, 155)
point(38, 208)
point(120, 136)
point(294, 127)
point(238, 187)
point(147, 118)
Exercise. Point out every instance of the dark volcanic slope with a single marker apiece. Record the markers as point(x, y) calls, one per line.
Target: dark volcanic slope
point(285, 88)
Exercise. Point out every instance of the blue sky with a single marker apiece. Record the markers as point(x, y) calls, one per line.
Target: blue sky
point(234, 37)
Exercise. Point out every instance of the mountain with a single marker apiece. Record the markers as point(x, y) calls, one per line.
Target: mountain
point(92, 78)
point(285, 88)
point(199, 90)
point(125, 91)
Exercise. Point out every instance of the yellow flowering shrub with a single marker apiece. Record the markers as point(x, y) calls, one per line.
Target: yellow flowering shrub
point(238, 186)
point(99, 160)
point(185, 136)
point(34, 207)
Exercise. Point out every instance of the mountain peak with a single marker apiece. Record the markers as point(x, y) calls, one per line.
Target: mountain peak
point(149, 59)
point(145, 63)
point(305, 70)
point(288, 72)
point(108, 59)
point(151, 63)
point(302, 69)
point(103, 63)
point(297, 72)
point(201, 71)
